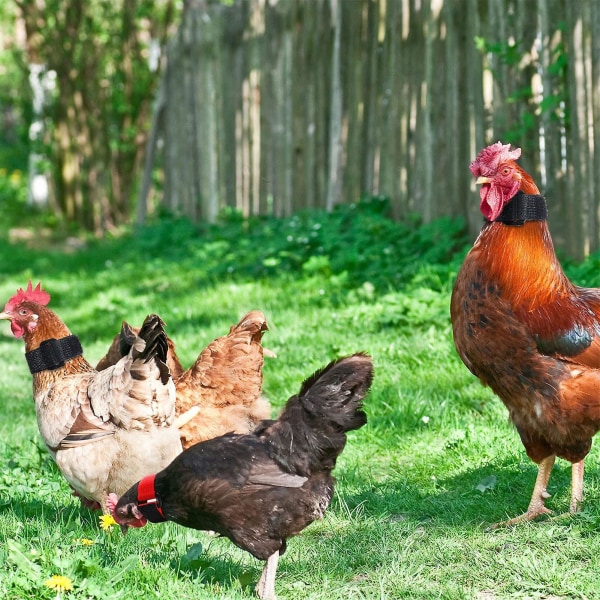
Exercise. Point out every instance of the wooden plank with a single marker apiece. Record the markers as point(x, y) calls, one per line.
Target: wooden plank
point(270, 112)
point(334, 191)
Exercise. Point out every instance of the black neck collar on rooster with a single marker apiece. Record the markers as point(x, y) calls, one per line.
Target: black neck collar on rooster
point(53, 354)
point(522, 208)
point(148, 500)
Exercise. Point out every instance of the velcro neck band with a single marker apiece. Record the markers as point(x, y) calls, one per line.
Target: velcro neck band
point(523, 208)
point(53, 354)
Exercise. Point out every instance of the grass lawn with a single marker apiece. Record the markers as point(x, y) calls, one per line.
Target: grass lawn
point(418, 486)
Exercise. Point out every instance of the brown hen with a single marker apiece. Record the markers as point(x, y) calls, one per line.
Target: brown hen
point(224, 383)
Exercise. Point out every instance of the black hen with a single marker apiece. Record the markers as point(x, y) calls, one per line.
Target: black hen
point(261, 488)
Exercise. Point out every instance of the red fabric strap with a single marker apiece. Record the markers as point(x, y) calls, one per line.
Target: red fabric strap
point(148, 501)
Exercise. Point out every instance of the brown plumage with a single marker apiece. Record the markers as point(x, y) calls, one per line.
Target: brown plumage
point(225, 382)
point(526, 331)
point(261, 488)
point(105, 429)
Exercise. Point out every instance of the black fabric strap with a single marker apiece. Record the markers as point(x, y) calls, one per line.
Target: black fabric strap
point(151, 511)
point(53, 354)
point(523, 208)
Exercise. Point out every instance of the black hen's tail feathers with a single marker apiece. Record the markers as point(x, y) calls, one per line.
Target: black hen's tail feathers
point(336, 392)
point(156, 346)
point(310, 433)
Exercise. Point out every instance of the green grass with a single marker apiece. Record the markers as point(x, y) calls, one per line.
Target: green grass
point(418, 486)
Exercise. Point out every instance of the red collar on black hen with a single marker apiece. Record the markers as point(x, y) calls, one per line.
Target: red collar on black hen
point(149, 501)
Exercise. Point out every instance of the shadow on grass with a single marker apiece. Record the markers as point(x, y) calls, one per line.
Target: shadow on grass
point(504, 491)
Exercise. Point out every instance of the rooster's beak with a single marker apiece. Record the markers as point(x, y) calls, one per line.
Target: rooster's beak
point(482, 180)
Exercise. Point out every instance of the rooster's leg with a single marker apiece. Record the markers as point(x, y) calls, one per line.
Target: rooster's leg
point(265, 588)
point(536, 505)
point(576, 487)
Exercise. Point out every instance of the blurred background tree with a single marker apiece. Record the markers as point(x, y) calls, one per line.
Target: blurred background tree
point(93, 68)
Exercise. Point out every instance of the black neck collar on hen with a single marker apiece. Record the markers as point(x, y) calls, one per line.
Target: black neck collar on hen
point(522, 208)
point(53, 354)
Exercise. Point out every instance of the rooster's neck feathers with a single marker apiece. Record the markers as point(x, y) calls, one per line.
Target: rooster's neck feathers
point(527, 250)
point(527, 185)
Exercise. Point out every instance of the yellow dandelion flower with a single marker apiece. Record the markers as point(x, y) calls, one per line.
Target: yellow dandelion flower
point(107, 522)
point(84, 542)
point(59, 583)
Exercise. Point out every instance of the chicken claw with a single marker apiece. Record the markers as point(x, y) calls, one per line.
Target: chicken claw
point(536, 506)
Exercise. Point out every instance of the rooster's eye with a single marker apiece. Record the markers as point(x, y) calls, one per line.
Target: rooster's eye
point(505, 171)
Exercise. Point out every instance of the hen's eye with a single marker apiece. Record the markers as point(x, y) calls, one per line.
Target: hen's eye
point(23, 312)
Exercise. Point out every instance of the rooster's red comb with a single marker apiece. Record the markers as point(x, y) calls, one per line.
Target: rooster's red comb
point(31, 294)
point(487, 161)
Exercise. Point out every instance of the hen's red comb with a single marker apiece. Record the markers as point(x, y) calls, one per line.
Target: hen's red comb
point(487, 161)
point(31, 294)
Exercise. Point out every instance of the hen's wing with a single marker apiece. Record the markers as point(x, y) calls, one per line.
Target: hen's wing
point(65, 415)
point(226, 382)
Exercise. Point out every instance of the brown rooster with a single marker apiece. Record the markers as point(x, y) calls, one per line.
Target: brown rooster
point(524, 329)
point(260, 488)
point(224, 383)
point(104, 430)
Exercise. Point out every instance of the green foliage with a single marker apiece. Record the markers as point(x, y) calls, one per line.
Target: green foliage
point(417, 486)
point(37, 223)
point(15, 96)
point(96, 119)
point(13, 193)
point(508, 58)
point(349, 246)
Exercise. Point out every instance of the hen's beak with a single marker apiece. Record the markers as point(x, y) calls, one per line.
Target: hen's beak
point(124, 528)
point(482, 180)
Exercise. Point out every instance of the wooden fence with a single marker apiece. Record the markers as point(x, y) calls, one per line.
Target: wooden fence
point(270, 106)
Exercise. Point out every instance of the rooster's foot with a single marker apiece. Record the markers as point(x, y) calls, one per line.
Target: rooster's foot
point(530, 515)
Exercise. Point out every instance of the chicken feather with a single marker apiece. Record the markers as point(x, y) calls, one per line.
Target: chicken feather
point(261, 488)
